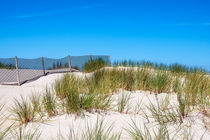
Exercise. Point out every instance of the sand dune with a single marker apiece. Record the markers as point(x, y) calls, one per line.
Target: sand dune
point(62, 124)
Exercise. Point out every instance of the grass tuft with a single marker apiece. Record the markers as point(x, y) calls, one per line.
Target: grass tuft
point(49, 103)
point(94, 65)
point(123, 102)
point(24, 112)
point(22, 134)
point(100, 131)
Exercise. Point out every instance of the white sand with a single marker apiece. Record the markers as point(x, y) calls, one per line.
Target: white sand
point(61, 124)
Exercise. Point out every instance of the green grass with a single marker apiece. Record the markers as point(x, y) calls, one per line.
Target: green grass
point(69, 84)
point(3, 131)
point(36, 103)
point(75, 95)
point(93, 65)
point(22, 134)
point(100, 131)
point(108, 81)
point(197, 88)
point(123, 102)
point(174, 68)
point(163, 113)
point(24, 111)
point(49, 103)
point(154, 132)
point(72, 102)
point(78, 103)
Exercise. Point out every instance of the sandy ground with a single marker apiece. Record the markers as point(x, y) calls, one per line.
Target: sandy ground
point(62, 124)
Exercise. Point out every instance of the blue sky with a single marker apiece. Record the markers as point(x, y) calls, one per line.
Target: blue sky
point(165, 31)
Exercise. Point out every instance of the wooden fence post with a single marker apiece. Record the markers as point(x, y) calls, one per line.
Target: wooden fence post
point(43, 65)
point(109, 60)
point(69, 62)
point(90, 57)
point(17, 71)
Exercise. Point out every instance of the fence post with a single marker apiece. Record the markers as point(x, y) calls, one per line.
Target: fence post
point(43, 65)
point(69, 62)
point(18, 75)
point(90, 57)
point(109, 60)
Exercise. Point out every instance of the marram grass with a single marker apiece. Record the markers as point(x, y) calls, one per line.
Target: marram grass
point(76, 95)
point(50, 103)
point(94, 65)
point(24, 111)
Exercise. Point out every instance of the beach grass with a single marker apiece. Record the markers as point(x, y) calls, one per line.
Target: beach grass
point(21, 133)
point(123, 102)
point(92, 93)
point(100, 131)
point(3, 131)
point(49, 103)
point(93, 65)
point(24, 111)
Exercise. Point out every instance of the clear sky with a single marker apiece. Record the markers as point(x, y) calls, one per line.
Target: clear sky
point(158, 30)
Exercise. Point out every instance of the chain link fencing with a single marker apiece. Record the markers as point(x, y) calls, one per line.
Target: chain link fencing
point(17, 71)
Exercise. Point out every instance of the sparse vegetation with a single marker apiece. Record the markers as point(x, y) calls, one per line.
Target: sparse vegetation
point(100, 131)
point(123, 102)
point(24, 111)
point(3, 131)
point(22, 134)
point(174, 68)
point(78, 95)
point(161, 132)
point(49, 103)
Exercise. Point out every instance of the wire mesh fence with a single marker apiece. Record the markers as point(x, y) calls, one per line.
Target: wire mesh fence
point(16, 71)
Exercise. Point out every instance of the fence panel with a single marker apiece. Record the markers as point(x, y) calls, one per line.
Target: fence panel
point(29, 69)
point(32, 69)
point(8, 71)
